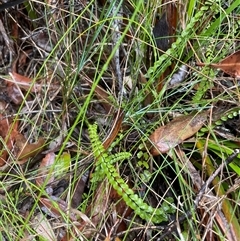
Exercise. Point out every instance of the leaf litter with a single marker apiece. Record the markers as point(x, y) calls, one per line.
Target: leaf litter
point(229, 65)
point(51, 105)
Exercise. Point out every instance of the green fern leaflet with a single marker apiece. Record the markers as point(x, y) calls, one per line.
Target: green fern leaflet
point(104, 166)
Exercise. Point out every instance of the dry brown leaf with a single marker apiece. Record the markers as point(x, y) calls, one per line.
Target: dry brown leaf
point(42, 227)
point(16, 83)
point(25, 150)
point(115, 129)
point(24, 82)
point(57, 207)
point(229, 65)
point(78, 191)
point(43, 170)
point(53, 207)
point(8, 132)
point(175, 132)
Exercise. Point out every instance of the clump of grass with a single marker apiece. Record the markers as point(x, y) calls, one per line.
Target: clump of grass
point(82, 53)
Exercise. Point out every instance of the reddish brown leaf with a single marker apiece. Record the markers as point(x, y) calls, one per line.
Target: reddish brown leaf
point(43, 170)
point(58, 206)
point(8, 132)
point(16, 84)
point(121, 208)
point(229, 65)
point(181, 128)
point(22, 81)
point(115, 129)
point(78, 191)
point(51, 207)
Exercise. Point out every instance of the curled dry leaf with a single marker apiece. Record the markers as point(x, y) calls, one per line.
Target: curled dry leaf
point(175, 132)
point(115, 129)
point(229, 65)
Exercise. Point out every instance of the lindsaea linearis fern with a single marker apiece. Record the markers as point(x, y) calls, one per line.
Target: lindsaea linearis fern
point(104, 167)
point(209, 7)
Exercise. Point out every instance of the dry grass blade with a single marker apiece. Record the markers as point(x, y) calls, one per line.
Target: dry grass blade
point(67, 64)
point(207, 201)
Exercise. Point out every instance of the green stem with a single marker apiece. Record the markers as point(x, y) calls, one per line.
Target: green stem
point(104, 163)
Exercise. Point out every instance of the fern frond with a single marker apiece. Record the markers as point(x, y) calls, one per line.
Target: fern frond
point(119, 156)
point(104, 162)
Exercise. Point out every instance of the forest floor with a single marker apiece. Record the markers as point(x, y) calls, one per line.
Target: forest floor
point(120, 120)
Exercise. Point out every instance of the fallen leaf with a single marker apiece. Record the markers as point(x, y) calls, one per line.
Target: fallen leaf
point(25, 83)
point(8, 132)
point(16, 83)
point(53, 207)
point(121, 209)
point(43, 171)
point(42, 227)
point(229, 65)
point(175, 132)
point(116, 126)
point(25, 150)
point(57, 207)
point(79, 190)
